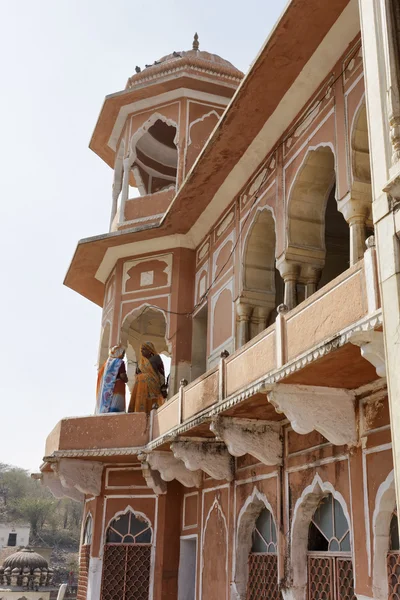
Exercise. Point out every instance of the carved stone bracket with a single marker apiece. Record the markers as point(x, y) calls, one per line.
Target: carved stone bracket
point(261, 439)
point(84, 475)
point(372, 349)
point(171, 468)
point(330, 411)
point(52, 481)
point(214, 459)
point(152, 477)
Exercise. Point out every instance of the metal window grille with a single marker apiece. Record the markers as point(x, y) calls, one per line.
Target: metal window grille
point(330, 578)
point(126, 572)
point(393, 572)
point(263, 577)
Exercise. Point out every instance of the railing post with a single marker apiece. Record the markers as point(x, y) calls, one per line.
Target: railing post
point(280, 332)
point(183, 383)
point(371, 275)
point(221, 378)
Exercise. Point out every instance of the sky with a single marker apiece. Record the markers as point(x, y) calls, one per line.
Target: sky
point(60, 58)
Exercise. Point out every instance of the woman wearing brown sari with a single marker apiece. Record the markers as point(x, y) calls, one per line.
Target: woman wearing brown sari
point(150, 377)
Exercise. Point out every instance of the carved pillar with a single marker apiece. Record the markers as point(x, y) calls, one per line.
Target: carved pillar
point(125, 186)
point(310, 276)
point(243, 312)
point(356, 213)
point(290, 272)
point(259, 319)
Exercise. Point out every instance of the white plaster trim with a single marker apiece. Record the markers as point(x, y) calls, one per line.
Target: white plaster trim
point(302, 514)
point(161, 101)
point(253, 505)
point(123, 487)
point(341, 34)
point(200, 119)
point(95, 573)
point(385, 503)
point(113, 254)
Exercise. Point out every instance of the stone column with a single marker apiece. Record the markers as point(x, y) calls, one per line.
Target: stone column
point(259, 318)
point(243, 312)
point(378, 69)
point(125, 186)
point(310, 277)
point(356, 213)
point(290, 272)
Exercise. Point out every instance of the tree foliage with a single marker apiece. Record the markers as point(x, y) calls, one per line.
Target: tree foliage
point(23, 499)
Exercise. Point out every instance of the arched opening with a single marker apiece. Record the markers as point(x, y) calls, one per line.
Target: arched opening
point(127, 558)
point(329, 562)
point(144, 324)
point(393, 557)
point(84, 558)
point(383, 525)
point(318, 235)
point(256, 560)
point(156, 158)
point(262, 284)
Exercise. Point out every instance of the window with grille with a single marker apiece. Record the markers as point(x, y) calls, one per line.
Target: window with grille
point(330, 566)
point(263, 560)
point(127, 558)
point(393, 559)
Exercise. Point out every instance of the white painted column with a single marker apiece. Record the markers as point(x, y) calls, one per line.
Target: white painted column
point(243, 312)
point(94, 578)
point(380, 88)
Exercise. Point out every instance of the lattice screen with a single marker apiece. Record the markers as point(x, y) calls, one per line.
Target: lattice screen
point(330, 578)
point(393, 571)
point(263, 577)
point(126, 572)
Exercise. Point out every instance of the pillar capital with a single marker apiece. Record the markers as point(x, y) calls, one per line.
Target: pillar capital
point(243, 310)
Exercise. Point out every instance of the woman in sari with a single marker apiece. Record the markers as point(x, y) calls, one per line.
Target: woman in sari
point(150, 377)
point(111, 382)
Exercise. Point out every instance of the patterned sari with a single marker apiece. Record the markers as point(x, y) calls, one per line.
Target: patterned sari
point(110, 388)
point(146, 390)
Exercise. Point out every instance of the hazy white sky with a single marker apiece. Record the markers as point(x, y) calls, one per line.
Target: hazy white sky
point(59, 59)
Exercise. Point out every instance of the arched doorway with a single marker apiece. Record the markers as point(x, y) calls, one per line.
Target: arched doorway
point(144, 324)
point(156, 155)
point(127, 558)
point(393, 559)
point(84, 558)
point(263, 560)
point(318, 247)
point(329, 562)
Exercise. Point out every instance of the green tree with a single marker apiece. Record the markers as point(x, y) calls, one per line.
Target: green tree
point(35, 510)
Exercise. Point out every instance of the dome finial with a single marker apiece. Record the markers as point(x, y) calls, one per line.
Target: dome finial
point(196, 41)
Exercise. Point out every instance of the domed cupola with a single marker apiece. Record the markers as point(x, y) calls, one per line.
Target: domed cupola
point(152, 132)
point(25, 569)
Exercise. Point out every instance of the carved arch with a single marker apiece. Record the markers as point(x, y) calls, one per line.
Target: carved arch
point(247, 518)
point(385, 503)
point(137, 514)
point(307, 199)
point(200, 120)
point(302, 514)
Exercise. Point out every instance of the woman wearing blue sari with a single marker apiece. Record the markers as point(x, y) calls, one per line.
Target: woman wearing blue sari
point(111, 382)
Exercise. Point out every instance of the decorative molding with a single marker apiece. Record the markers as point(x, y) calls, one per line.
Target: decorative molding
point(330, 411)
point(261, 439)
point(372, 349)
point(171, 468)
point(214, 459)
point(152, 477)
point(52, 481)
point(83, 475)
point(95, 452)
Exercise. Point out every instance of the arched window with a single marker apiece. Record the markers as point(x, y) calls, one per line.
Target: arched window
point(393, 558)
point(84, 559)
point(127, 559)
point(263, 560)
point(330, 566)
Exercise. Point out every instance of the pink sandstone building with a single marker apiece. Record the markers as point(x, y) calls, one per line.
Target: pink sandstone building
point(262, 256)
